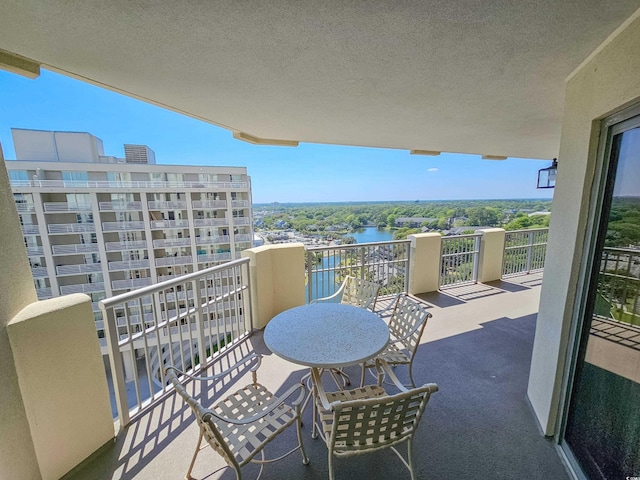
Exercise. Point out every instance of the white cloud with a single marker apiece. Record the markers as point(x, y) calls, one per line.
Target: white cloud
point(432, 169)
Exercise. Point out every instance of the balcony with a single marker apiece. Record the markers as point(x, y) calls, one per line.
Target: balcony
point(78, 269)
point(240, 203)
point(128, 265)
point(122, 226)
point(212, 204)
point(122, 246)
point(160, 224)
point(30, 229)
point(39, 272)
point(172, 242)
point(167, 261)
point(168, 205)
point(52, 207)
point(212, 240)
point(71, 228)
point(130, 283)
point(74, 249)
point(82, 288)
point(477, 347)
point(210, 222)
point(241, 221)
point(53, 185)
point(120, 206)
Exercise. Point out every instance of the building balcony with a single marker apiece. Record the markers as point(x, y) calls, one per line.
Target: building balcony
point(167, 261)
point(25, 207)
point(122, 246)
point(209, 204)
point(211, 222)
point(212, 240)
point(130, 283)
point(122, 226)
point(71, 228)
point(35, 251)
point(241, 221)
point(243, 237)
point(128, 265)
point(56, 207)
point(120, 206)
point(172, 242)
point(168, 205)
point(78, 269)
point(240, 203)
point(82, 288)
point(63, 185)
point(161, 224)
point(75, 249)
point(215, 257)
point(39, 272)
point(30, 229)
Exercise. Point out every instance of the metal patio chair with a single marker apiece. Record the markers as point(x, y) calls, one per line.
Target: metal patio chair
point(406, 326)
point(242, 424)
point(367, 419)
point(354, 291)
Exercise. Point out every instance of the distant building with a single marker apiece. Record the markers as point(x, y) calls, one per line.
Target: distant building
point(103, 225)
point(413, 222)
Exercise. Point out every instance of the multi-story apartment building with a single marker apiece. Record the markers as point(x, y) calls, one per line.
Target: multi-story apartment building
point(103, 225)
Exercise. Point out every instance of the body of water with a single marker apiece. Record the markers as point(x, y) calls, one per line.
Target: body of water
point(372, 234)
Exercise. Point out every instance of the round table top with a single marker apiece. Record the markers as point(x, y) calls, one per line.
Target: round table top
point(326, 335)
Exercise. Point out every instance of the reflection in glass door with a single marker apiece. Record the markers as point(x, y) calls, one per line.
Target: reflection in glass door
point(602, 429)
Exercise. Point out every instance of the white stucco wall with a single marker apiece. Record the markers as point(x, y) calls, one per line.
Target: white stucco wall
point(17, 455)
point(608, 82)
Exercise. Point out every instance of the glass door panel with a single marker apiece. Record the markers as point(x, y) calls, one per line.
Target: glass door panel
point(602, 427)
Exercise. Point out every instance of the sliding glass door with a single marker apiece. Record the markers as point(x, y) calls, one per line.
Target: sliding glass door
point(601, 431)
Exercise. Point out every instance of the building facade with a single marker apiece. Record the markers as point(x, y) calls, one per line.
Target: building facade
point(103, 225)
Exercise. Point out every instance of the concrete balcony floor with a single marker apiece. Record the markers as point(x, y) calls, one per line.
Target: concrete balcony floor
point(477, 348)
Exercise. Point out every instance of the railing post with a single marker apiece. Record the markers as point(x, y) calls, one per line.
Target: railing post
point(424, 262)
point(491, 255)
point(116, 364)
point(530, 251)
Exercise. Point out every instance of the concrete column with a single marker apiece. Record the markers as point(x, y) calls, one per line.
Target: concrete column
point(277, 279)
point(17, 455)
point(62, 381)
point(491, 255)
point(424, 270)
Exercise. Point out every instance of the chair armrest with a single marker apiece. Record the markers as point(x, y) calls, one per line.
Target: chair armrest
point(249, 358)
point(412, 331)
point(278, 402)
point(391, 305)
point(337, 294)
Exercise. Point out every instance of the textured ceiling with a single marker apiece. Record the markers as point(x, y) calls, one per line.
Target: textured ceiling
point(471, 76)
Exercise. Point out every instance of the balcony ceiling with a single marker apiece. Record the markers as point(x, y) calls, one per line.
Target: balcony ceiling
point(459, 76)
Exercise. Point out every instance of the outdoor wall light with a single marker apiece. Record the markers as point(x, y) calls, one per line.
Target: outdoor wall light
point(547, 176)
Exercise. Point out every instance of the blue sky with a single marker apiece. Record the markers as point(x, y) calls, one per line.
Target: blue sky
point(308, 173)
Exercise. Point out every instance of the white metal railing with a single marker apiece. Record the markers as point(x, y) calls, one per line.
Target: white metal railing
point(619, 286)
point(71, 249)
point(19, 184)
point(243, 237)
point(79, 268)
point(131, 245)
point(30, 229)
point(44, 292)
point(82, 288)
point(35, 251)
point(166, 261)
point(524, 251)
point(71, 227)
point(39, 272)
point(241, 221)
point(106, 206)
point(169, 223)
point(172, 242)
point(212, 240)
point(239, 203)
point(215, 257)
point(386, 263)
point(128, 265)
point(459, 259)
point(210, 222)
point(164, 205)
point(209, 204)
point(66, 207)
point(188, 339)
point(131, 283)
point(25, 207)
point(121, 226)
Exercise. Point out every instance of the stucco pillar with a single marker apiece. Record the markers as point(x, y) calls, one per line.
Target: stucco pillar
point(491, 254)
point(17, 455)
point(62, 381)
point(277, 279)
point(424, 268)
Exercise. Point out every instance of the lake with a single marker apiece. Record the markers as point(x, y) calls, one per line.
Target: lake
point(372, 234)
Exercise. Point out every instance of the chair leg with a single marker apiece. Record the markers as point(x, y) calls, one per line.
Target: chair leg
point(410, 457)
point(413, 384)
point(331, 475)
point(364, 372)
point(193, 460)
point(305, 459)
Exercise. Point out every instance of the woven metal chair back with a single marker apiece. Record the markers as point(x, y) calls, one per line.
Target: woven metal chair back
point(381, 422)
point(205, 421)
point(408, 319)
point(360, 293)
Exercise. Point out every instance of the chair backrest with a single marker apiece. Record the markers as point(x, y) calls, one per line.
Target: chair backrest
point(360, 293)
point(408, 320)
point(375, 423)
point(205, 420)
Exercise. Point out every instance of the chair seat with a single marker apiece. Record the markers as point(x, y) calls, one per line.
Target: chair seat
point(392, 354)
point(244, 441)
point(326, 416)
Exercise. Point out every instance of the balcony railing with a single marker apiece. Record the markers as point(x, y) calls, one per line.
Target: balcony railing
point(188, 339)
point(172, 242)
point(214, 257)
point(157, 224)
point(30, 229)
point(131, 283)
point(243, 237)
point(78, 269)
point(128, 265)
point(386, 263)
point(122, 226)
point(120, 246)
point(35, 251)
point(240, 203)
point(43, 293)
point(73, 249)
point(102, 184)
point(71, 228)
point(210, 222)
point(66, 207)
point(39, 272)
point(524, 251)
point(25, 207)
point(82, 288)
point(212, 240)
point(167, 261)
point(619, 285)
point(167, 205)
point(459, 259)
point(119, 206)
point(209, 204)
point(241, 221)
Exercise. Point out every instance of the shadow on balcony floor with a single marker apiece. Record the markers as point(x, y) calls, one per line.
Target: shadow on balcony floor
point(479, 425)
